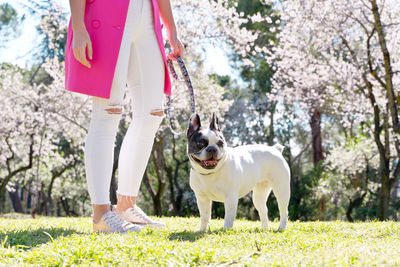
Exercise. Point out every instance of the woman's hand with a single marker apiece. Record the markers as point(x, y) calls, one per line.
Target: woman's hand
point(81, 41)
point(176, 45)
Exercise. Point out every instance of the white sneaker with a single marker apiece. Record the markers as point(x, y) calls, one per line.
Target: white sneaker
point(137, 216)
point(110, 222)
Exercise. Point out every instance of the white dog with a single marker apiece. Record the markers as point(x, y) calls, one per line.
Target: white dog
point(225, 174)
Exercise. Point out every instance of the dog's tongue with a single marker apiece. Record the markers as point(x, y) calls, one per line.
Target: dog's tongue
point(210, 161)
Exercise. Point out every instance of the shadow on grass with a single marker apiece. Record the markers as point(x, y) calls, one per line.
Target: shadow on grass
point(28, 239)
point(187, 235)
point(194, 235)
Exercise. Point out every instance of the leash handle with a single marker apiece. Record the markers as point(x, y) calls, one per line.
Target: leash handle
point(188, 83)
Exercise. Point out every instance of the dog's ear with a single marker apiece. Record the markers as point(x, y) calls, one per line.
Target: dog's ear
point(194, 124)
point(214, 122)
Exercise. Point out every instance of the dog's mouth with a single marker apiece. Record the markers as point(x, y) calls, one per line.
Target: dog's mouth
point(207, 164)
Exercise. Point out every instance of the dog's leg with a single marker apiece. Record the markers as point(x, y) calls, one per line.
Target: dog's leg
point(230, 204)
point(204, 205)
point(282, 193)
point(260, 196)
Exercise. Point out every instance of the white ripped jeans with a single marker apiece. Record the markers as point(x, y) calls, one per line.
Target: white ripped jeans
point(140, 66)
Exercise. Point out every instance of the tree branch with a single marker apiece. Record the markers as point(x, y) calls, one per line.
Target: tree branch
point(8, 177)
point(388, 68)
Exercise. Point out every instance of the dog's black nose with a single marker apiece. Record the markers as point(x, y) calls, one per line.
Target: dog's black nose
point(211, 149)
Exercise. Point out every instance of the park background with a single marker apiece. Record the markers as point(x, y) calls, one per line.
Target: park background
point(319, 77)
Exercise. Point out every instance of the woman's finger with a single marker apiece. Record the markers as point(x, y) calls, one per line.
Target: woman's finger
point(90, 49)
point(175, 49)
point(171, 56)
point(181, 49)
point(82, 57)
point(76, 54)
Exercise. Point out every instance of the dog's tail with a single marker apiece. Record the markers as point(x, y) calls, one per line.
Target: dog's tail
point(278, 147)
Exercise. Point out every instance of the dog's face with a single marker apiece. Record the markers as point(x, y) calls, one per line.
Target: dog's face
point(205, 146)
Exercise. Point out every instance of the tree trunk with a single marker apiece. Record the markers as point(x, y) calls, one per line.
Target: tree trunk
point(114, 181)
point(384, 198)
point(315, 124)
point(159, 167)
point(114, 184)
point(318, 155)
point(154, 196)
point(350, 210)
point(83, 205)
point(384, 169)
point(55, 173)
point(358, 200)
point(16, 202)
point(395, 188)
point(271, 134)
point(388, 68)
point(40, 199)
point(383, 202)
point(2, 201)
point(176, 199)
point(352, 204)
point(68, 211)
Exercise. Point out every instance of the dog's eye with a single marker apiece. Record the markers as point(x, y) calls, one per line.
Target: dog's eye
point(220, 143)
point(201, 143)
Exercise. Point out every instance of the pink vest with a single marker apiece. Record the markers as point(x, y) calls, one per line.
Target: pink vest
point(105, 22)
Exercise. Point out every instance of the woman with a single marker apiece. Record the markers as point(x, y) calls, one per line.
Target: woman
point(124, 46)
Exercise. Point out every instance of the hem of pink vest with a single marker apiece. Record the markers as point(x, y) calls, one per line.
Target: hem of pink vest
point(86, 93)
point(166, 92)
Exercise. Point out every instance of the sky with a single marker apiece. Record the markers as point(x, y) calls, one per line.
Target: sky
point(18, 50)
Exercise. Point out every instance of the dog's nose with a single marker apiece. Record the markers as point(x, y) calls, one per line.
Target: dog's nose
point(211, 149)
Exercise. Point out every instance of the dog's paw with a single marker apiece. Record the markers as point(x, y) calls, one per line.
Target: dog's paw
point(228, 224)
point(266, 228)
point(282, 227)
point(201, 230)
point(265, 225)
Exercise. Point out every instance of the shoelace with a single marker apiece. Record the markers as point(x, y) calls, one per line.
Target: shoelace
point(115, 222)
point(138, 211)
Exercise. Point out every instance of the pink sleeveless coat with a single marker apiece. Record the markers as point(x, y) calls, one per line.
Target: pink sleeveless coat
point(105, 21)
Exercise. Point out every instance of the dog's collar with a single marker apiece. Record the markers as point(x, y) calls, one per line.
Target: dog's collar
point(200, 172)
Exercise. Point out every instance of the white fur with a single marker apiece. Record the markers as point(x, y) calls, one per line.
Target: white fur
point(241, 169)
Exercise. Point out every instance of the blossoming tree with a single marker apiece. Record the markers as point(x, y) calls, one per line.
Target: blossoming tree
point(338, 58)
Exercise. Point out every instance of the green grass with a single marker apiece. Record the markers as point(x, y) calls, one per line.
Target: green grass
point(69, 241)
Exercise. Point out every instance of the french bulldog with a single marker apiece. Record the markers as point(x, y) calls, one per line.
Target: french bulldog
point(225, 174)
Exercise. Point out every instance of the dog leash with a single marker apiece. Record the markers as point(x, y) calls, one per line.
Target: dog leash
point(188, 83)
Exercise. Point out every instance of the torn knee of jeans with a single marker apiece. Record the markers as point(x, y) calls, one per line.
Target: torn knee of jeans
point(157, 112)
point(115, 109)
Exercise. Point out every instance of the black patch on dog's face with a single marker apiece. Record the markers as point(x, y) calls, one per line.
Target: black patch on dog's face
point(197, 142)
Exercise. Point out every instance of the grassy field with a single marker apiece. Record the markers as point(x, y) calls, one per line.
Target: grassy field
point(69, 241)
